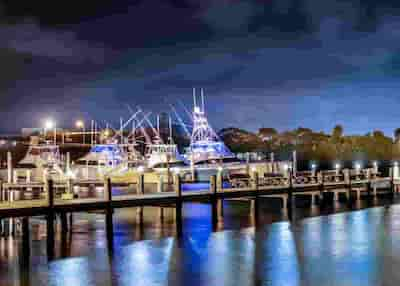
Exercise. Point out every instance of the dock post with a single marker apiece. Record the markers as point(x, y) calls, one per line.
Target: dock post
point(347, 182)
point(256, 202)
point(178, 205)
point(71, 221)
point(9, 168)
point(26, 238)
point(64, 223)
point(68, 162)
point(2, 196)
point(290, 201)
point(140, 191)
point(392, 186)
point(160, 190)
point(369, 183)
point(50, 220)
point(220, 202)
point(214, 209)
point(109, 215)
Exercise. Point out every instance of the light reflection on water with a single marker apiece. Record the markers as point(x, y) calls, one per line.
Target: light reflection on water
point(349, 248)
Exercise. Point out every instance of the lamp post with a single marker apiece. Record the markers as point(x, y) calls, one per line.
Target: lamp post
point(81, 125)
point(49, 124)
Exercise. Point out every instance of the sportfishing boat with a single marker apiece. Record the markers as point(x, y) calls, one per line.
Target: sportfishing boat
point(160, 155)
point(42, 159)
point(206, 148)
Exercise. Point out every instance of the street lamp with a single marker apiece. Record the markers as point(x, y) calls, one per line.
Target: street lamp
point(50, 124)
point(81, 125)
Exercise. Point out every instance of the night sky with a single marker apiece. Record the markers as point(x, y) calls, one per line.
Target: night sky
point(272, 63)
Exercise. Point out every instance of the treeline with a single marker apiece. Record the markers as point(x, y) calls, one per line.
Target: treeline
point(316, 146)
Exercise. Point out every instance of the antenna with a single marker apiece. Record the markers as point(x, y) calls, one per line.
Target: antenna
point(121, 128)
point(158, 123)
point(194, 97)
point(170, 129)
point(202, 99)
point(180, 120)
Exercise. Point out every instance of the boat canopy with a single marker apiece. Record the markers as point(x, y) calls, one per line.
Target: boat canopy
point(206, 150)
point(41, 155)
point(109, 154)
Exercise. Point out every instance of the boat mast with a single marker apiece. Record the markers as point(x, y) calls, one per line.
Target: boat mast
point(170, 129)
point(202, 99)
point(194, 97)
point(121, 129)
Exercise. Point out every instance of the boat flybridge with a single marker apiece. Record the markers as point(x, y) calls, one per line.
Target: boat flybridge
point(206, 148)
point(160, 155)
point(45, 157)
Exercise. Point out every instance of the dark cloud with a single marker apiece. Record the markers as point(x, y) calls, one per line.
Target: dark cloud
point(283, 62)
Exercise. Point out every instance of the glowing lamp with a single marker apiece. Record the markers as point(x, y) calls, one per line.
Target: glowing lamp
point(79, 124)
point(49, 124)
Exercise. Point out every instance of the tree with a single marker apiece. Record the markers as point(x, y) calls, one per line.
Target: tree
point(337, 132)
point(397, 134)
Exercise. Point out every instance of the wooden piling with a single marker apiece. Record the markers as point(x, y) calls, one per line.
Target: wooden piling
point(178, 205)
point(109, 215)
point(160, 190)
point(64, 223)
point(392, 186)
point(26, 241)
point(50, 220)
point(256, 201)
point(290, 197)
point(9, 167)
point(214, 209)
point(2, 196)
point(140, 191)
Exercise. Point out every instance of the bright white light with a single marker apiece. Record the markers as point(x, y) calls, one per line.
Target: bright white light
point(337, 166)
point(220, 169)
point(313, 166)
point(176, 170)
point(49, 124)
point(358, 166)
point(286, 167)
point(79, 124)
point(396, 164)
point(196, 109)
point(140, 169)
point(375, 163)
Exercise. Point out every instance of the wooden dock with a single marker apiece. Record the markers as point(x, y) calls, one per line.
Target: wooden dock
point(48, 202)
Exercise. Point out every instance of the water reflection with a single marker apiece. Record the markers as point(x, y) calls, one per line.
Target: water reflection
point(347, 248)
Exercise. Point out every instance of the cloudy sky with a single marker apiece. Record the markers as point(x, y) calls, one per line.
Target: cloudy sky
point(275, 63)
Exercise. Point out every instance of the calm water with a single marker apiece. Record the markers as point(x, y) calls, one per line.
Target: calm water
point(357, 247)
